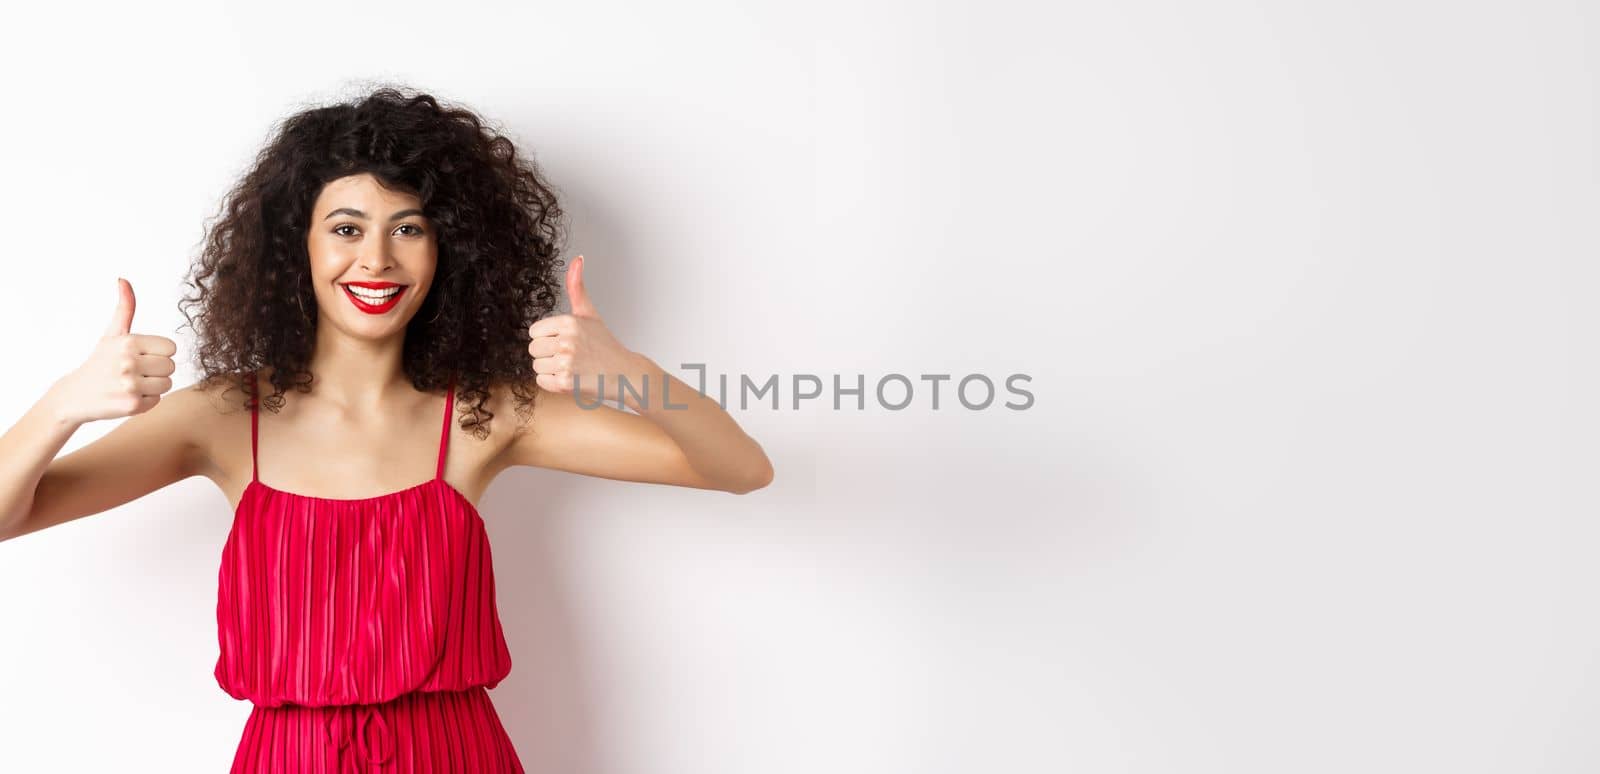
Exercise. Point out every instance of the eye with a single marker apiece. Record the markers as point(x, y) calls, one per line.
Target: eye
point(412, 225)
point(340, 226)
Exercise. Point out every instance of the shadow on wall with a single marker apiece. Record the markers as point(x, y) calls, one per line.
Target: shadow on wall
point(545, 701)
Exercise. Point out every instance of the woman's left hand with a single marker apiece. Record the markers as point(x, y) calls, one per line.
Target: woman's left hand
point(578, 349)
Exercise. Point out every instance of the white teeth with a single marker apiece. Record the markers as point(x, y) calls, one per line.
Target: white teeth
point(374, 296)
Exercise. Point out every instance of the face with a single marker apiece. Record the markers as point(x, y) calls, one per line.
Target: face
point(373, 256)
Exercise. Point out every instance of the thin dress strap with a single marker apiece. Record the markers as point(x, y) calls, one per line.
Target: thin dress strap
point(444, 432)
point(256, 380)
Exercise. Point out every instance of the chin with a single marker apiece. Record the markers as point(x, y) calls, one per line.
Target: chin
point(375, 329)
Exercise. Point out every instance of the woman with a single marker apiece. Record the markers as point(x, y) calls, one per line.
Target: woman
point(390, 265)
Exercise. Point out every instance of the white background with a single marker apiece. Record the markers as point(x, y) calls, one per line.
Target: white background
point(1304, 289)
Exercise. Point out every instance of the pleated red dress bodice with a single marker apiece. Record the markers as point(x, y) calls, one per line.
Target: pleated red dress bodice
point(382, 604)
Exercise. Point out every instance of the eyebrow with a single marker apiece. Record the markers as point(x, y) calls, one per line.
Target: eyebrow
point(362, 215)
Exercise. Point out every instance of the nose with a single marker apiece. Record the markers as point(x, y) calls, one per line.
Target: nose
point(376, 257)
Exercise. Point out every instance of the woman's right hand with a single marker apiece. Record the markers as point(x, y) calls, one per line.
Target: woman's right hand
point(125, 375)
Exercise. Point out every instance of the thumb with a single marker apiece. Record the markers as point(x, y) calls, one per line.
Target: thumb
point(576, 293)
point(122, 320)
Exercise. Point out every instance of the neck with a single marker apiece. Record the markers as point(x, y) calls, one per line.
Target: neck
point(357, 373)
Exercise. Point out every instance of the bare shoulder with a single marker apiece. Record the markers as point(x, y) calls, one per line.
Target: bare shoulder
point(480, 440)
point(517, 409)
point(512, 414)
point(197, 406)
point(218, 410)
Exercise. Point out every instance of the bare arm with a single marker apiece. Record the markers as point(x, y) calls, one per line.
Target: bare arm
point(678, 437)
point(25, 452)
point(698, 446)
point(144, 453)
point(125, 376)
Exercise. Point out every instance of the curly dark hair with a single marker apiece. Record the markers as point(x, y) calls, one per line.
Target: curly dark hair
point(498, 224)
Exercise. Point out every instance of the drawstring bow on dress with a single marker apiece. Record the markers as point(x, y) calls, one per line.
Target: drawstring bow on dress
point(351, 723)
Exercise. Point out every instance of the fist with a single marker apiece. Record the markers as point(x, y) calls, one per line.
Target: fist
point(572, 352)
point(126, 374)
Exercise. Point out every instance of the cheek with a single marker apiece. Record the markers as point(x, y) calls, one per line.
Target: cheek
point(425, 268)
point(325, 260)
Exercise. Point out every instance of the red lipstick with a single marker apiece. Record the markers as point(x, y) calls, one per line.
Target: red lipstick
point(374, 297)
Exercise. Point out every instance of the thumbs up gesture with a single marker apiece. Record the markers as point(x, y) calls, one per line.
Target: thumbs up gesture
point(126, 374)
point(577, 348)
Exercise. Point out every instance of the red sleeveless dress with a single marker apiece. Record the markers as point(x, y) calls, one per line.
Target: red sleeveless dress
point(364, 631)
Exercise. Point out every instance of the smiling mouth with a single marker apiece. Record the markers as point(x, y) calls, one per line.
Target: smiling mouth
point(374, 298)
